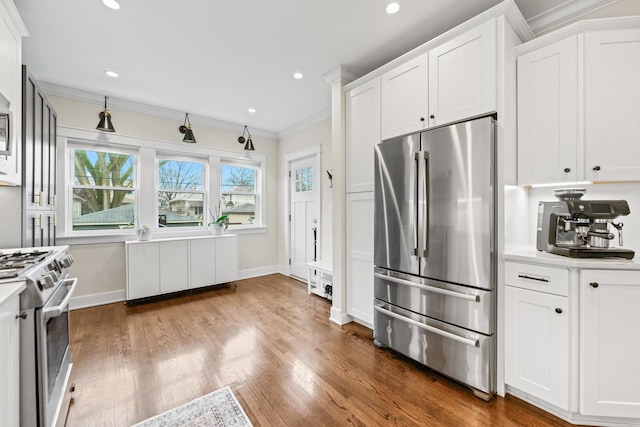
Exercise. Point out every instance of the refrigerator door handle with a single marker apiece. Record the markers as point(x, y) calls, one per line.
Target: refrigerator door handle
point(416, 166)
point(425, 209)
point(463, 340)
point(468, 297)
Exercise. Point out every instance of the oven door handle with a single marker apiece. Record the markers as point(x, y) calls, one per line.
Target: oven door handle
point(57, 310)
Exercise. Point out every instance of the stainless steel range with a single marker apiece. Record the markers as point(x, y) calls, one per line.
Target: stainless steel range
point(45, 353)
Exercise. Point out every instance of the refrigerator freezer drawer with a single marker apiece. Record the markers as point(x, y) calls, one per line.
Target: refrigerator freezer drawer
point(467, 307)
point(463, 355)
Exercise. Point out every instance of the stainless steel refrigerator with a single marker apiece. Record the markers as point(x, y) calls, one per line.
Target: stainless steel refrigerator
point(434, 278)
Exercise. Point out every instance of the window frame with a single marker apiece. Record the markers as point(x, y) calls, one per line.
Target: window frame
point(165, 155)
point(71, 148)
point(259, 188)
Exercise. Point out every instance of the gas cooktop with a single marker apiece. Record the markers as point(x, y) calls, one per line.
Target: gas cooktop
point(13, 264)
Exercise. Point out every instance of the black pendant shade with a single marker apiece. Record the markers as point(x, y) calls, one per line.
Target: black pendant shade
point(249, 143)
point(186, 129)
point(105, 124)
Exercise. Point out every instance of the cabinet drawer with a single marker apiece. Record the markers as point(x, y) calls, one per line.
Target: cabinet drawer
point(537, 278)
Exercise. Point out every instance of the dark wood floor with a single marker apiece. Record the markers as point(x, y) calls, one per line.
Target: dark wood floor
point(273, 344)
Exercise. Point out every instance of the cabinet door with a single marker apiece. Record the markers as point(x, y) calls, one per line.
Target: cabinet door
point(360, 256)
point(226, 259)
point(548, 114)
point(462, 76)
point(610, 343)
point(143, 270)
point(363, 133)
point(9, 362)
point(202, 262)
point(174, 266)
point(404, 99)
point(537, 344)
point(612, 105)
point(10, 60)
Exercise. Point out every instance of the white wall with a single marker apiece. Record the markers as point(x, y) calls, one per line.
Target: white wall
point(100, 267)
point(318, 134)
point(10, 217)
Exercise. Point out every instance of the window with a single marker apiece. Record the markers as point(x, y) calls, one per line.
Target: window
point(304, 179)
point(239, 193)
point(180, 193)
point(103, 190)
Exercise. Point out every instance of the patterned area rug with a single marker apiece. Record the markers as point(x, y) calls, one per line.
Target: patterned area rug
point(217, 409)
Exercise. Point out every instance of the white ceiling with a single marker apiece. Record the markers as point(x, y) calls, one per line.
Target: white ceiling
point(217, 58)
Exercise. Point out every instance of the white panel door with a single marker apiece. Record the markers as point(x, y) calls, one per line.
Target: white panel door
point(537, 344)
point(226, 259)
point(404, 102)
point(143, 270)
point(304, 193)
point(462, 76)
point(610, 343)
point(202, 262)
point(360, 256)
point(548, 114)
point(363, 133)
point(612, 105)
point(174, 266)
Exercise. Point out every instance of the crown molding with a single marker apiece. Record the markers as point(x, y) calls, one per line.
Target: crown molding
point(309, 121)
point(15, 17)
point(340, 73)
point(137, 107)
point(565, 12)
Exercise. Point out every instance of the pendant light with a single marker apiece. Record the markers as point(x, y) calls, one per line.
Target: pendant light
point(249, 143)
point(186, 129)
point(105, 124)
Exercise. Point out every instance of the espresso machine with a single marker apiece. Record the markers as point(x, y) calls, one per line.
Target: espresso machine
point(580, 228)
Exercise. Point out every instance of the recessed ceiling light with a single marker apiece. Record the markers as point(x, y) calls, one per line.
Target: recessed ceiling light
point(111, 4)
point(111, 73)
point(393, 7)
point(251, 110)
point(297, 76)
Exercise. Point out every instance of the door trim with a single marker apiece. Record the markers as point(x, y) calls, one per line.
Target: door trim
point(315, 151)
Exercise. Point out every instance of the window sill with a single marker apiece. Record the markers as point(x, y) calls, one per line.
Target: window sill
point(91, 239)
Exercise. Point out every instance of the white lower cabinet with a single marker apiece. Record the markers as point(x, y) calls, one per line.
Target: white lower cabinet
point(360, 256)
point(10, 359)
point(610, 343)
point(169, 265)
point(537, 344)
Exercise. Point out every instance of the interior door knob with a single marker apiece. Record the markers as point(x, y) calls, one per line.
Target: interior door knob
point(594, 284)
point(558, 310)
point(596, 168)
point(567, 170)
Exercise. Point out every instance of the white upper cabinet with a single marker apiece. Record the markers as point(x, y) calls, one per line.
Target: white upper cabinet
point(404, 99)
point(612, 105)
point(462, 76)
point(610, 343)
point(363, 133)
point(548, 114)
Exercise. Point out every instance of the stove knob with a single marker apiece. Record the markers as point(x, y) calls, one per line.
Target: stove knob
point(46, 282)
point(54, 276)
point(71, 260)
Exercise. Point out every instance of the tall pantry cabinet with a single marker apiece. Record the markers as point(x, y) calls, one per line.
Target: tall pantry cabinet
point(39, 121)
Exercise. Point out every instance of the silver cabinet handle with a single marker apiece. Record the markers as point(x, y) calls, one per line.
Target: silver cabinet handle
point(55, 311)
point(463, 340)
point(468, 297)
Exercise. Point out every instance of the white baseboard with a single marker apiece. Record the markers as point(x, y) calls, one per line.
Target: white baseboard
point(93, 300)
point(339, 317)
point(257, 272)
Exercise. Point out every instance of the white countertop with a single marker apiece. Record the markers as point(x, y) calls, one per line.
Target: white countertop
point(531, 255)
point(170, 239)
point(9, 290)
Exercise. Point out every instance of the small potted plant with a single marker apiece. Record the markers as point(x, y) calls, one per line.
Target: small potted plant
point(143, 232)
point(220, 224)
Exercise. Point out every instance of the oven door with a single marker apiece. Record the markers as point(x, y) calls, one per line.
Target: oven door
point(53, 352)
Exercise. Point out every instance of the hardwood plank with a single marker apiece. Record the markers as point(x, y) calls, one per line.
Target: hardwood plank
point(274, 345)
